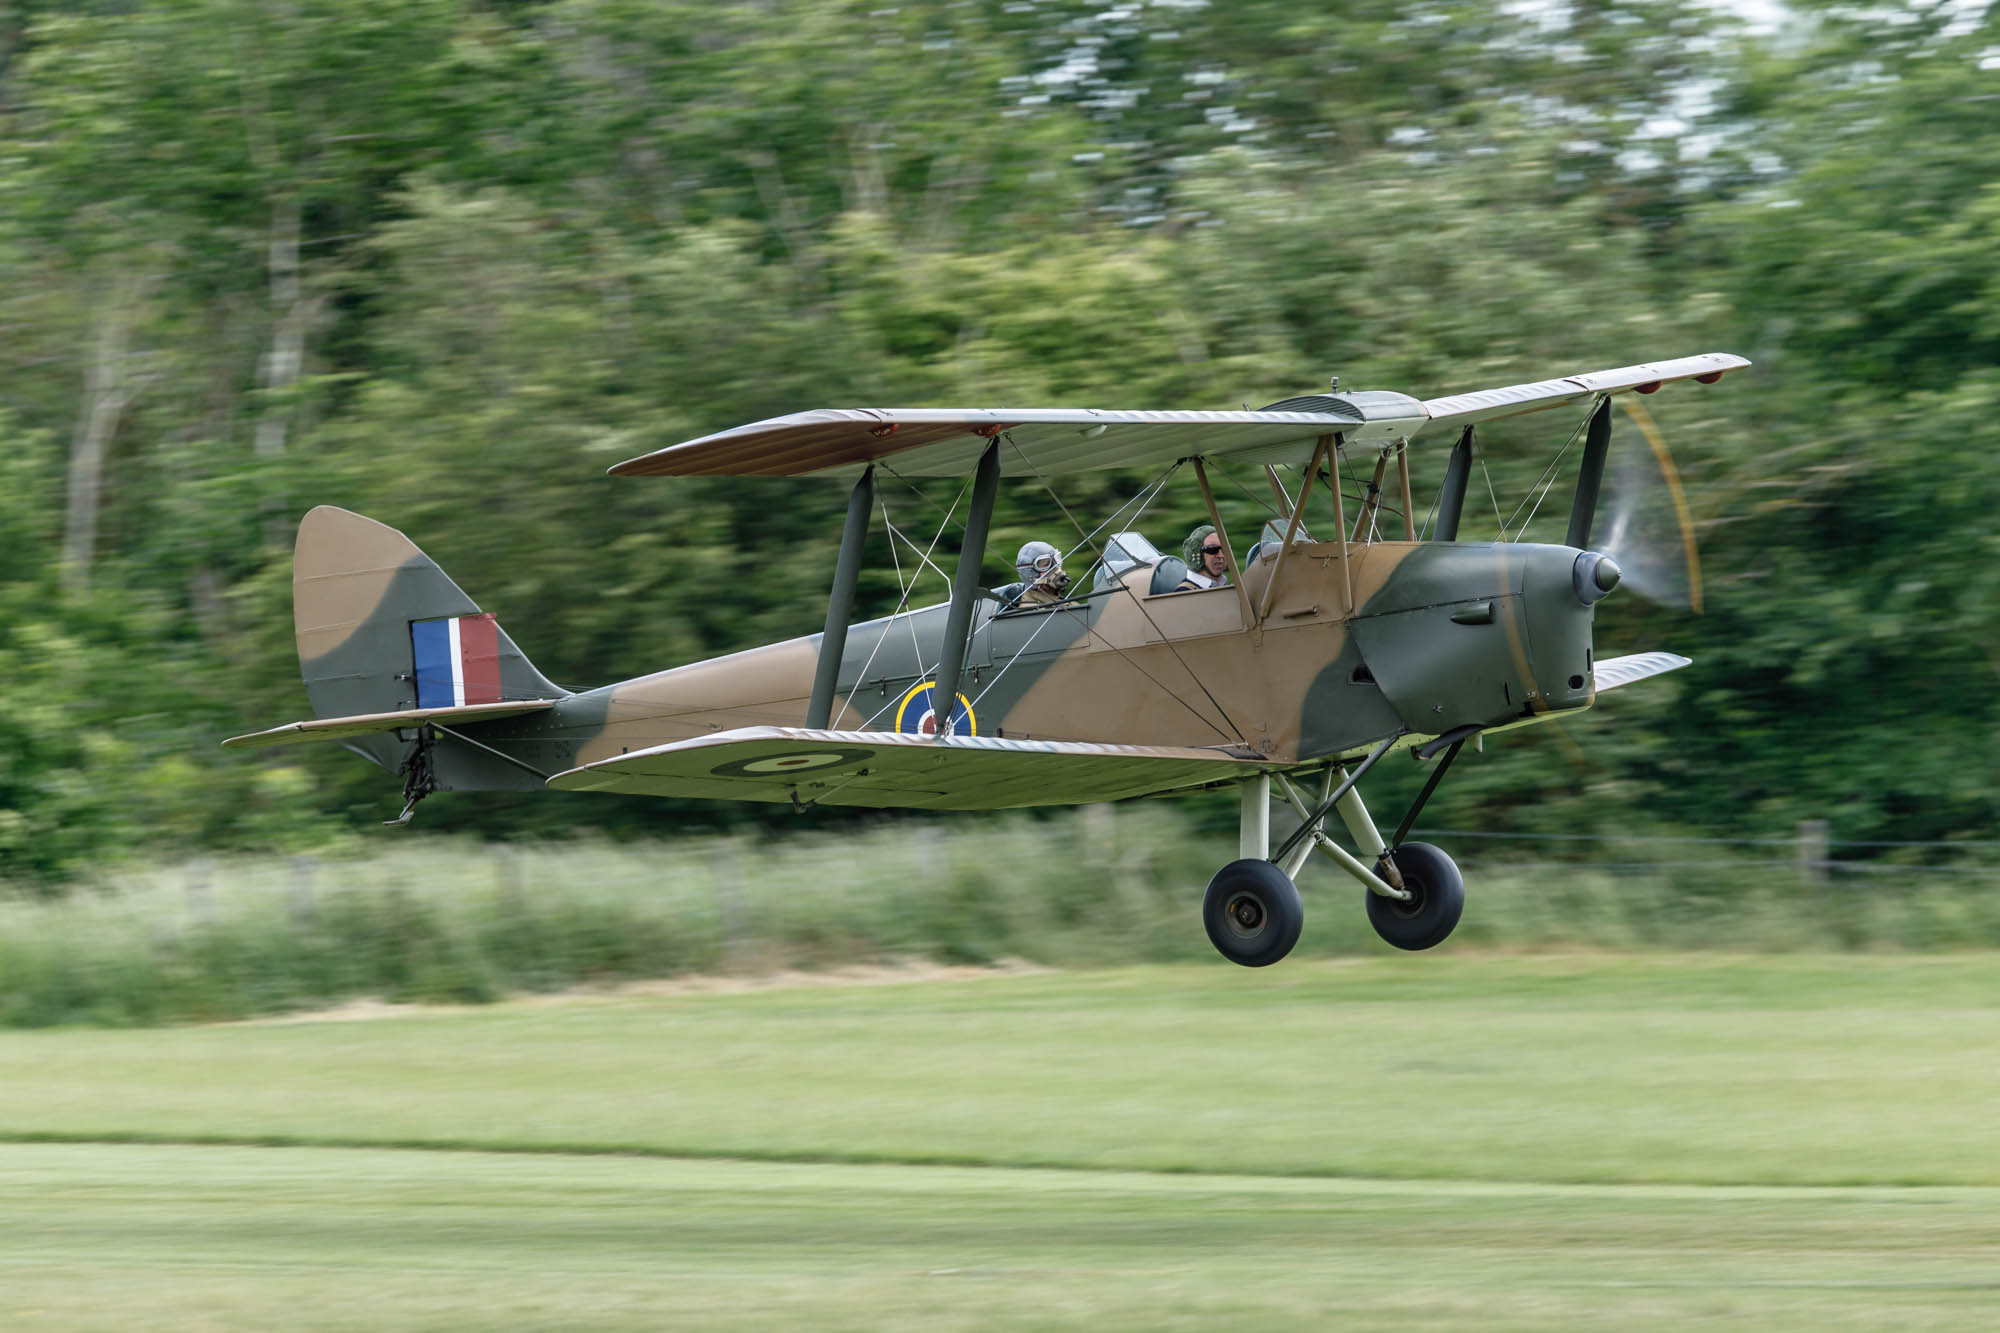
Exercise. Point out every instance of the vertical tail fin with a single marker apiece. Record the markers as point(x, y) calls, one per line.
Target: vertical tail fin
point(381, 628)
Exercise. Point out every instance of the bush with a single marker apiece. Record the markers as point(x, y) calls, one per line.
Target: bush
point(441, 921)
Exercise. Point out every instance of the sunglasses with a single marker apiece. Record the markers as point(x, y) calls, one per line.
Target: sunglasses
point(1211, 550)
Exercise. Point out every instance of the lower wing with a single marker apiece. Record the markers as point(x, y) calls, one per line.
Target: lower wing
point(886, 769)
point(1615, 671)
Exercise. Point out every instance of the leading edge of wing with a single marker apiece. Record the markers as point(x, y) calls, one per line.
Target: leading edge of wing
point(1487, 404)
point(947, 442)
point(888, 769)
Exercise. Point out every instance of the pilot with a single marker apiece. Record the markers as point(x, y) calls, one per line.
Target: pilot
point(1207, 567)
point(1043, 582)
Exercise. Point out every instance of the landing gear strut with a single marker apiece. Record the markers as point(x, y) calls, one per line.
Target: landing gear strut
point(1415, 894)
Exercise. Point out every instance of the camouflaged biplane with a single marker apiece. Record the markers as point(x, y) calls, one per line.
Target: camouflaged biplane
point(1315, 660)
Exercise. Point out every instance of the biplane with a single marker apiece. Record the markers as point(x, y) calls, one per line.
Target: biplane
point(1290, 680)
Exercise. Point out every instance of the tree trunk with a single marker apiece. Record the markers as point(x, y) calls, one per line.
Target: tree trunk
point(107, 390)
point(292, 314)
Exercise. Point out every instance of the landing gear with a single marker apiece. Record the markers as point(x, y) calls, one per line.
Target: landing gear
point(1253, 913)
point(1415, 894)
point(1436, 897)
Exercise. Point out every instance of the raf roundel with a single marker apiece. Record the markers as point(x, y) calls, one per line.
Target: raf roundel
point(916, 714)
point(787, 765)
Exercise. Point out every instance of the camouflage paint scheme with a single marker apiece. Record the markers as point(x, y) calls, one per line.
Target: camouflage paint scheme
point(1351, 643)
point(1440, 635)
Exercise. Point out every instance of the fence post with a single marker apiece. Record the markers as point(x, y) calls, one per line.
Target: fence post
point(1812, 853)
point(727, 863)
point(507, 882)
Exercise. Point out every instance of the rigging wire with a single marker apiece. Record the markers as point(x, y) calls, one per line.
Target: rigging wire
point(1495, 498)
point(916, 647)
point(903, 600)
point(1430, 515)
point(1253, 497)
point(924, 560)
point(1543, 484)
point(924, 495)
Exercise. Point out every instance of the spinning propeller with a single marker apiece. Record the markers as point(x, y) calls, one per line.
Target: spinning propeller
point(1647, 527)
point(1630, 519)
point(1646, 533)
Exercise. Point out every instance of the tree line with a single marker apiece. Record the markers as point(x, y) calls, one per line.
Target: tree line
point(443, 261)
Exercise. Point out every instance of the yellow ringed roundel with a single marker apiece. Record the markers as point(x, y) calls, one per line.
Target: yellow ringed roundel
point(916, 715)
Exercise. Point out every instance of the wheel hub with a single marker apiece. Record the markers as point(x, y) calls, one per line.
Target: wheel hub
point(1412, 905)
point(1246, 914)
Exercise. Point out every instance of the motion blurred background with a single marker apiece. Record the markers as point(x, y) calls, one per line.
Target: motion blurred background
point(443, 262)
point(1713, 1041)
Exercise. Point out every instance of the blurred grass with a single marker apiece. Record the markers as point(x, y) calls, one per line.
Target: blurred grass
point(443, 921)
point(228, 1238)
point(1824, 1070)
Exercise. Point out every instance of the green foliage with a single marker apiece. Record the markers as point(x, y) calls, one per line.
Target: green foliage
point(443, 263)
point(457, 922)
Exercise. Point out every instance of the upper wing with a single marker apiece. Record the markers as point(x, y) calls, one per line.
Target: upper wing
point(364, 724)
point(887, 769)
point(1486, 404)
point(947, 442)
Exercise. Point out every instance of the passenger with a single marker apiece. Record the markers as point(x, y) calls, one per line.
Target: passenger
point(1207, 567)
point(1043, 581)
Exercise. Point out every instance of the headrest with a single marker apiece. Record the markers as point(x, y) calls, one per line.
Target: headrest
point(1167, 574)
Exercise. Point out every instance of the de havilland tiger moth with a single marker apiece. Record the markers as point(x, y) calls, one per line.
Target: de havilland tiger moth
point(1290, 679)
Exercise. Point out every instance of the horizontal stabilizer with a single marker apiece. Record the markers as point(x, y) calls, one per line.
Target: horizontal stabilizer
point(368, 724)
point(1616, 671)
point(894, 770)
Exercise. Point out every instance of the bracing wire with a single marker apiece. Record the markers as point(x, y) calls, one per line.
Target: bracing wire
point(1251, 495)
point(1168, 641)
point(924, 560)
point(1144, 500)
point(906, 590)
point(1495, 498)
point(1543, 484)
point(922, 494)
point(1430, 516)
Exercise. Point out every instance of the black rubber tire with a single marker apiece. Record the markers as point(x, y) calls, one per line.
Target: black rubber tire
point(1252, 912)
point(1437, 897)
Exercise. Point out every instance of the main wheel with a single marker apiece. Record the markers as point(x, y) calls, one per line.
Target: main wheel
point(1437, 896)
point(1253, 913)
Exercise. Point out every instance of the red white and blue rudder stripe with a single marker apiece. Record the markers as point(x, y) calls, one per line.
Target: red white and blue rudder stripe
point(458, 660)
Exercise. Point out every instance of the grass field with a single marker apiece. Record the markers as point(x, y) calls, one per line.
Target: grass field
point(1471, 1141)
